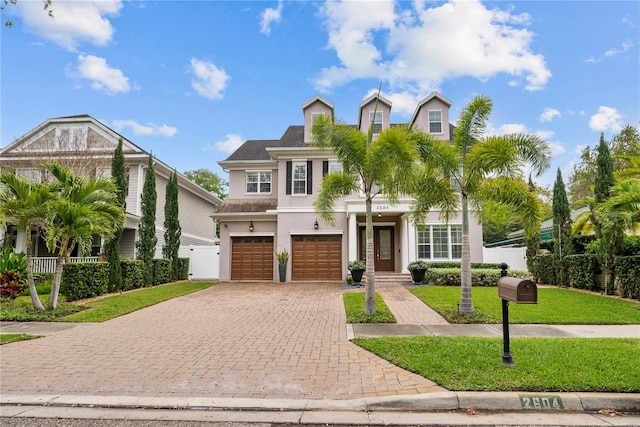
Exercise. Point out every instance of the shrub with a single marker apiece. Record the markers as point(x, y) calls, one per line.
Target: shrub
point(449, 264)
point(183, 268)
point(356, 265)
point(628, 271)
point(579, 243)
point(418, 265)
point(544, 269)
point(132, 274)
point(13, 261)
point(11, 285)
point(582, 269)
point(84, 280)
point(479, 276)
point(630, 246)
point(161, 268)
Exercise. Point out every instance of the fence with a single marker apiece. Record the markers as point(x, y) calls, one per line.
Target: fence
point(48, 264)
point(516, 258)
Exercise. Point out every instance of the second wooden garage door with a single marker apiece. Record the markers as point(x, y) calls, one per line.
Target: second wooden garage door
point(316, 257)
point(252, 258)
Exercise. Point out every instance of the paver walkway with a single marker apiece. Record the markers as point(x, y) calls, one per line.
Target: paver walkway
point(258, 340)
point(407, 308)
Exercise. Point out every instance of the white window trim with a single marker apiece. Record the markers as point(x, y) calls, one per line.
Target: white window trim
point(337, 166)
point(372, 119)
point(293, 178)
point(247, 193)
point(81, 144)
point(441, 122)
point(450, 244)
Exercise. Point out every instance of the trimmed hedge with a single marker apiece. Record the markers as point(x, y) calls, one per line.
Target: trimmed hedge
point(479, 276)
point(544, 270)
point(183, 268)
point(448, 264)
point(132, 274)
point(161, 268)
point(84, 280)
point(628, 272)
point(582, 270)
point(631, 246)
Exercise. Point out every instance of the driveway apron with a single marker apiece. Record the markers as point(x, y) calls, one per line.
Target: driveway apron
point(250, 340)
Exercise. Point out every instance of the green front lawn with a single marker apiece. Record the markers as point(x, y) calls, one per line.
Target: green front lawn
point(354, 306)
point(543, 364)
point(21, 309)
point(9, 338)
point(555, 306)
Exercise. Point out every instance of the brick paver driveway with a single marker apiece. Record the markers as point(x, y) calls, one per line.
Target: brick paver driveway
point(253, 340)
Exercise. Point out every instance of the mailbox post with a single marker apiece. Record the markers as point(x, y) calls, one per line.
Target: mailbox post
point(520, 291)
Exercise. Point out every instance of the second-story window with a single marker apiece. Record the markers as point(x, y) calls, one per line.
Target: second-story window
point(258, 182)
point(435, 121)
point(377, 121)
point(299, 178)
point(30, 174)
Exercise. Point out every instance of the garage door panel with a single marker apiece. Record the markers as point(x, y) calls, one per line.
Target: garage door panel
point(252, 258)
point(316, 257)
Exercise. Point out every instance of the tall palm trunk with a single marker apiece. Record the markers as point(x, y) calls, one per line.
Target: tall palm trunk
point(370, 304)
point(37, 304)
point(466, 302)
point(55, 285)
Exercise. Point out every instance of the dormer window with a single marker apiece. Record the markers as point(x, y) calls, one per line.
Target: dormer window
point(377, 121)
point(435, 121)
point(314, 117)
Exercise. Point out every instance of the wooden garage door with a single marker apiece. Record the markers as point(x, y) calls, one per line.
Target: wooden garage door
point(316, 257)
point(252, 258)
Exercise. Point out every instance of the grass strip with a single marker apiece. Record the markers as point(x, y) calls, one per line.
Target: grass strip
point(543, 364)
point(21, 310)
point(121, 304)
point(9, 338)
point(555, 306)
point(354, 306)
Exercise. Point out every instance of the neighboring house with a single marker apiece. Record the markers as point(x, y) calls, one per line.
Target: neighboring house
point(86, 146)
point(272, 187)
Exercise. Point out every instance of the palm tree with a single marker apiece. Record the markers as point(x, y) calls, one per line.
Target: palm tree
point(370, 166)
point(83, 208)
point(22, 202)
point(477, 168)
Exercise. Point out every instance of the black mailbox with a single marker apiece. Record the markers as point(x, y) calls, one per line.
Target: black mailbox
point(521, 291)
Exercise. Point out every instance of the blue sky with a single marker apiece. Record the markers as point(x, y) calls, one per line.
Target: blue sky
point(191, 80)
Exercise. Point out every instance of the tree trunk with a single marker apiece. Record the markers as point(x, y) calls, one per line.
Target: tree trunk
point(55, 285)
point(466, 302)
point(35, 299)
point(370, 304)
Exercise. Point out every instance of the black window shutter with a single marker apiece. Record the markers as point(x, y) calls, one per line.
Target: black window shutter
point(325, 167)
point(289, 177)
point(309, 177)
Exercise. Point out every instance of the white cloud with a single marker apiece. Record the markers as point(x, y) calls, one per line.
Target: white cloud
point(74, 22)
point(625, 47)
point(229, 145)
point(103, 77)
point(606, 118)
point(549, 114)
point(269, 16)
point(489, 43)
point(209, 81)
point(145, 130)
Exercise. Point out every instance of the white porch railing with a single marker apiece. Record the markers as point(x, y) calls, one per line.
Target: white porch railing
point(48, 264)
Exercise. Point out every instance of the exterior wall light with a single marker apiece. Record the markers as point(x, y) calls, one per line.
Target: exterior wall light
point(315, 225)
point(250, 225)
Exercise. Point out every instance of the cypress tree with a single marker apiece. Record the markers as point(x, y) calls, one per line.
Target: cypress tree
point(146, 244)
point(172, 225)
point(561, 231)
point(610, 241)
point(112, 246)
point(533, 241)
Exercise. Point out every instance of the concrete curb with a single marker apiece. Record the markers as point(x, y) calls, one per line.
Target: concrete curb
point(432, 402)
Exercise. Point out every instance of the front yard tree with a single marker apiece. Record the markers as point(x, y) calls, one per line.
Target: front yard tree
point(172, 225)
point(477, 168)
point(112, 246)
point(561, 231)
point(533, 241)
point(22, 202)
point(372, 167)
point(146, 244)
point(209, 180)
point(83, 207)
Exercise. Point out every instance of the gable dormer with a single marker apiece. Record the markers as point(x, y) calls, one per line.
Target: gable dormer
point(311, 109)
point(432, 116)
point(377, 109)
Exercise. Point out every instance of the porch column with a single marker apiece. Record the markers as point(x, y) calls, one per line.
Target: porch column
point(404, 242)
point(412, 244)
point(21, 242)
point(353, 238)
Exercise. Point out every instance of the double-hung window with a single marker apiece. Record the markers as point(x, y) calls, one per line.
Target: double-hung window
point(440, 242)
point(435, 121)
point(299, 183)
point(30, 174)
point(377, 121)
point(259, 182)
